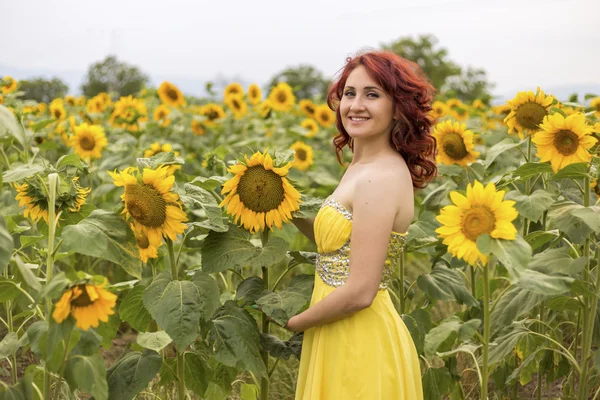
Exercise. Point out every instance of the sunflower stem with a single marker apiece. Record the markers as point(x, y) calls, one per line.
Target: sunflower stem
point(264, 382)
point(53, 183)
point(473, 288)
point(589, 316)
point(180, 356)
point(486, 331)
point(402, 299)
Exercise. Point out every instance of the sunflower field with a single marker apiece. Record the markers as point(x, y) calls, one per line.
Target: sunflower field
point(147, 249)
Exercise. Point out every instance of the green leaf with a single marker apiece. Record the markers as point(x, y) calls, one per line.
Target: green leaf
point(87, 374)
point(197, 197)
point(282, 349)
point(209, 183)
point(443, 336)
point(436, 383)
point(9, 290)
point(562, 303)
point(422, 234)
point(20, 172)
point(29, 240)
point(515, 302)
point(153, 340)
point(532, 206)
point(249, 391)
point(6, 245)
point(209, 292)
point(10, 126)
point(577, 170)
point(131, 374)
point(541, 283)
point(162, 158)
point(556, 261)
point(250, 290)
point(438, 195)
point(282, 306)
point(513, 254)
point(574, 219)
point(55, 287)
point(497, 149)
point(108, 330)
point(9, 345)
point(537, 239)
point(42, 124)
point(272, 253)
point(444, 283)
point(450, 170)
point(132, 309)
point(504, 345)
point(105, 235)
point(529, 170)
point(197, 373)
point(28, 276)
point(175, 305)
point(71, 160)
point(309, 207)
point(14, 228)
point(237, 340)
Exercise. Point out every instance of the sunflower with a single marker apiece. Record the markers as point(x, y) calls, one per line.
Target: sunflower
point(453, 103)
point(307, 107)
point(564, 141)
point(156, 148)
point(259, 194)
point(478, 105)
point(32, 196)
point(233, 89)
point(129, 113)
point(282, 97)
point(502, 110)
point(439, 109)
point(105, 98)
point(170, 95)
point(303, 158)
point(482, 211)
point(198, 128)
point(88, 303)
point(595, 188)
point(455, 143)
point(460, 113)
point(237, 105)
point(324, 115)
point(264, 109)
point(57, 110)
point(95, 105)
point(145, 249)
point(527, 111)
point(254, 94)
point(88, 141)
point(9, 85)
point(70, 100)
point(213, 113)
point(160, 115)
point(311, 126)
point(148, 200)
point(595, 104)
point(1, 99)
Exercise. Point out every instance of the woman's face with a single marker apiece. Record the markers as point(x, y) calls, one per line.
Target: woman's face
point(366, 110)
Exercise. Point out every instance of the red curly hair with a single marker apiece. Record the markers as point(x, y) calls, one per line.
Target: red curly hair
point(411, 92)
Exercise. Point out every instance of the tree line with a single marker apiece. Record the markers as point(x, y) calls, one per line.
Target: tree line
point(118, 78)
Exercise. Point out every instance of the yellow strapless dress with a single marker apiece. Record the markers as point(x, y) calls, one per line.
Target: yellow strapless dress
point(369, 355)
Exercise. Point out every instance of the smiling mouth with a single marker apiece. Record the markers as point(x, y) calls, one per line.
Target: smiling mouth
point(357, 119)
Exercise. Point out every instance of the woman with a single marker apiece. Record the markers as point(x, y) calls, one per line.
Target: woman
point(355, 345)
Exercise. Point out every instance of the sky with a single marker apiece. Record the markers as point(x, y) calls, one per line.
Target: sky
point(521, 44)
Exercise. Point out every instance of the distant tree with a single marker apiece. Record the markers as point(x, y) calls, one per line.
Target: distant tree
point(471, 84)
point(43, 90)
point(114, 77)
point(449, 78)
point(306, 81)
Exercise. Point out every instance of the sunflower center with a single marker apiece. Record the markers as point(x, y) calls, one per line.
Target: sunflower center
point(236, 104)
point(261, 190)
point(172, 94)
point(454, 146)
point(301, 154)
point(325, 116)
point(281, 97)
point(87, 142)
point(57, 113)
point(146, 205)
point(478, 221)
point(212, 114)
point(566, 142)
point(530, 115)
point(83, 300)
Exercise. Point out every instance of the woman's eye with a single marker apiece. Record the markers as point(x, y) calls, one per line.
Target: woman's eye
point(349, 93)
point(373, 95)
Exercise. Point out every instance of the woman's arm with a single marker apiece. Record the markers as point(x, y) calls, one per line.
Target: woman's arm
point(306, 226)
point(374, 210)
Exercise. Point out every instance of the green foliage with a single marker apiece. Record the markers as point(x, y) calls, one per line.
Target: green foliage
point(305, 80)
point(446, 76)
point(43, 90)
point(131, 374)
point(114, 77)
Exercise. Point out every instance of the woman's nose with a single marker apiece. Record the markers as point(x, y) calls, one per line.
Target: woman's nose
point(357, 104)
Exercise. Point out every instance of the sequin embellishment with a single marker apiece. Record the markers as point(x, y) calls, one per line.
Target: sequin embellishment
point(334, 267)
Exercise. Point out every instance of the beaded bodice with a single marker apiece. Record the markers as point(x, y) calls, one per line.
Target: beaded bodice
point(334, 266)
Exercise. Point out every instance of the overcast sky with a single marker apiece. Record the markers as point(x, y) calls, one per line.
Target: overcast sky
point(520, 43)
